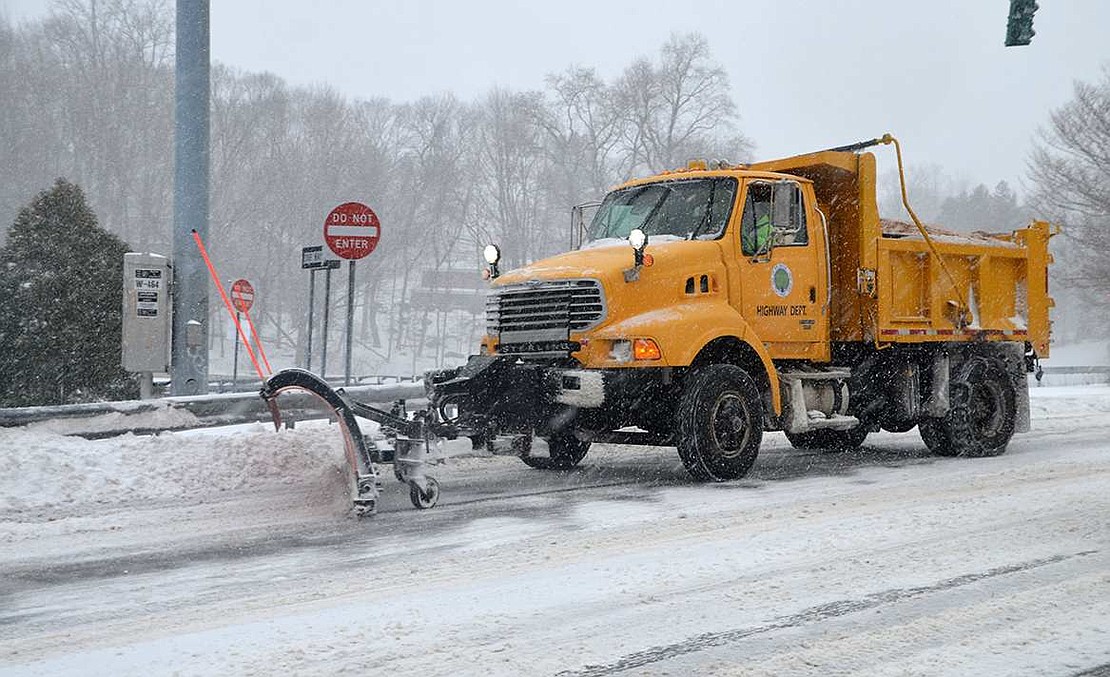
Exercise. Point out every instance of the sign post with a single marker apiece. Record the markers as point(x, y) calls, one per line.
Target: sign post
point(324, 333)
point(242, 297)
point(350, 320)
point(235, 356)
point(312, 260)
point(311, 295)
point(352, 231)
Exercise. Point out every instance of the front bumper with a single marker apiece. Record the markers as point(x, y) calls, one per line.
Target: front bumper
point(501, 394)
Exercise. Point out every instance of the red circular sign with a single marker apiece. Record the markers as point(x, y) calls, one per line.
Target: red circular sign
point(352, 230)
point(242, 295)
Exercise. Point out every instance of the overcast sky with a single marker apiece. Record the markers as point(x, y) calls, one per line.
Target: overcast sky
point(805, 75)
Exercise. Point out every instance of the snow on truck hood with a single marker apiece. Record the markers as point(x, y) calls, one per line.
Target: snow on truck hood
point(602, 259)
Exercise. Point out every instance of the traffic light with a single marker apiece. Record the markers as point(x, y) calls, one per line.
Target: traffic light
point(1019, 27)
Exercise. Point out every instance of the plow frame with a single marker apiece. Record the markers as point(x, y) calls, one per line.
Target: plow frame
point(497, 401)
point(413, 439)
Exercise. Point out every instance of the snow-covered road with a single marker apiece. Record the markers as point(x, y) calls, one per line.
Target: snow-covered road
point(230, 553)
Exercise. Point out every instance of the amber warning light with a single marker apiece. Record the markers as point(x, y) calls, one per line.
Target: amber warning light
point(645, 349)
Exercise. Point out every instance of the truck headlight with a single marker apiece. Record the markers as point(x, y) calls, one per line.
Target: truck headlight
point(621, 351)
point(638, 239)
point(492, 254)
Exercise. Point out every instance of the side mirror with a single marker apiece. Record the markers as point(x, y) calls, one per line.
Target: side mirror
point(638, 239)
point(580, 215)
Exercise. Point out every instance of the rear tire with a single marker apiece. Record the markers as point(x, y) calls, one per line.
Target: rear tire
point(933, 435)
point(719, 423)
point(566, 451)
point(829, 440)
point(982, 412)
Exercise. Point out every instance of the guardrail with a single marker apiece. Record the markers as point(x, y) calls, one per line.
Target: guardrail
point(106, 419)
point(1077, 370)
point(1074, 376)
point(223, 383)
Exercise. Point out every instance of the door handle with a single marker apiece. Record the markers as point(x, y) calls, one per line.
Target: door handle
point(813, 294)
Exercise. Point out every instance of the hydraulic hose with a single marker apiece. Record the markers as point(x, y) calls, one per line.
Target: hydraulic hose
point(962, 311)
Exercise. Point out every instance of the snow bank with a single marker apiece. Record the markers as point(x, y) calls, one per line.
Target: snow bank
point(1049, 403)
point(47, 470)
point(163, 416)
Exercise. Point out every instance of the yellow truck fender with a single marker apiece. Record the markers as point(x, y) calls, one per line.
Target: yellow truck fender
point(684, 330)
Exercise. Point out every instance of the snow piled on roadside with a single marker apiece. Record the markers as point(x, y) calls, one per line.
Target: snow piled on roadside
point(44, 470)
point(163, 416)
point(48, 472)
point(1047, 403)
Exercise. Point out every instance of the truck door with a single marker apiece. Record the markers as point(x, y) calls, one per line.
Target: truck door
point(783, 281)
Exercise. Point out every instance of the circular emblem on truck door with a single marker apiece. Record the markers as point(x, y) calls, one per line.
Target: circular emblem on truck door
point(782, 280)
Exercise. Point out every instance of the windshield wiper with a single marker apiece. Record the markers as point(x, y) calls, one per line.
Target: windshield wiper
point(667, 190)
point(708, 213)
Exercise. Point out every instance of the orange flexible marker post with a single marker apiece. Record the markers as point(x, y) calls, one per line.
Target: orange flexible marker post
point(227, 303)
point(258, 342)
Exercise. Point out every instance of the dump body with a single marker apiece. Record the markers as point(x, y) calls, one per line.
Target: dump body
point(888, 286)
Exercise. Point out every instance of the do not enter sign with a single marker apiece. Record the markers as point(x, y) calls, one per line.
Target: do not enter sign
point(242, 295)
point(352, 230)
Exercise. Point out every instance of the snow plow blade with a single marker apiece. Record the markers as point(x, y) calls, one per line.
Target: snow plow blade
point(412, 439)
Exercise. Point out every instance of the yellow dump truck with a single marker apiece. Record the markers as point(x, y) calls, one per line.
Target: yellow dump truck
point(702, 307)
point(706, 305)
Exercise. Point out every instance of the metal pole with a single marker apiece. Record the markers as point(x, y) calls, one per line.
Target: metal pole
point(350, 319)
point(324, 334)
point(189, 354)
point(235, 358)
point(311, 297)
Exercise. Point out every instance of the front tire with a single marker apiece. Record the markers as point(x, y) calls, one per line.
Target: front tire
point(719, 423)
point(566, 451)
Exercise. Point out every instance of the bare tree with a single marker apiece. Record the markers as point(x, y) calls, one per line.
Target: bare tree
point(88, 94)
point(1070, 170)
point(679, 108)
point(115, 59)
point(510, 161)
point(928, 186)
point(582, 128)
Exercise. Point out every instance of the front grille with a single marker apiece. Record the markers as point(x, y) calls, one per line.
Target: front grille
point(545, 347)
point(547, 310)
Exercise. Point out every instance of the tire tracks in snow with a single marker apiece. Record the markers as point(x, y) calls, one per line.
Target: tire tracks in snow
point(705, 641)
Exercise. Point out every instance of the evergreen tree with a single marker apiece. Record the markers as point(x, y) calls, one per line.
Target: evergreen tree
point(982, 209)
point(61, 301)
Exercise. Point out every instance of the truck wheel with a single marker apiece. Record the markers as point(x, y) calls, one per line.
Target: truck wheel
point(933, 435)
point(719, 423)
point(829, 440)
point(981, 415)
point(566, 451)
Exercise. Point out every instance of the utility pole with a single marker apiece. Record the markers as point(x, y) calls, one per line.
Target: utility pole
point(189, 354)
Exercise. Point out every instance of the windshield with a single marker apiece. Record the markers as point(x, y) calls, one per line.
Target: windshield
point(697, 208)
